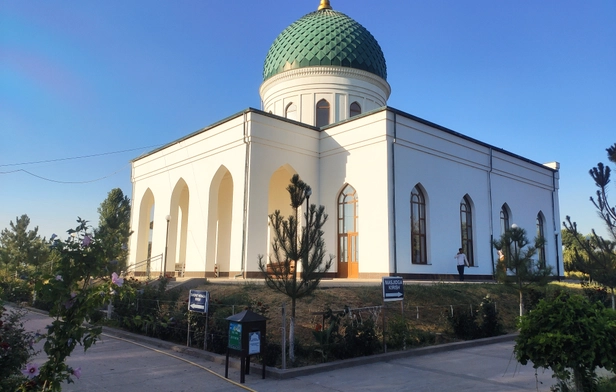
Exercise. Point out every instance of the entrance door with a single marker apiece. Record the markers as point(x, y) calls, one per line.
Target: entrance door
point(348, 235)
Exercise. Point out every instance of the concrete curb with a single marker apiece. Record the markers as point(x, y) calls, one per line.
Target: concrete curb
point(312, 369)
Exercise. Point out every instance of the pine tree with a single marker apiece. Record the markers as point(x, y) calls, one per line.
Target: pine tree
point(518, 266)
point(291, 245)
point(597, 257)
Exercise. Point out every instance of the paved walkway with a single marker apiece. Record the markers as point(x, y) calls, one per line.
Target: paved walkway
point(130, 363)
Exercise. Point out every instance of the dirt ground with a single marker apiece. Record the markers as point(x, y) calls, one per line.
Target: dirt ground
point(425, 307)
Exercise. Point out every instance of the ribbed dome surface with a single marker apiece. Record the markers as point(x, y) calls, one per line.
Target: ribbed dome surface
point(321, 38)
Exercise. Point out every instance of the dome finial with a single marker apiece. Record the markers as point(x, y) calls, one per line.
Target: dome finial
point(324, 5)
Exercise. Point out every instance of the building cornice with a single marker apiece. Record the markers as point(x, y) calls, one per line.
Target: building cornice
point(320, 71)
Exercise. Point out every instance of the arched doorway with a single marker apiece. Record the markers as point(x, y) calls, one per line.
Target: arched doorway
point(348, 233)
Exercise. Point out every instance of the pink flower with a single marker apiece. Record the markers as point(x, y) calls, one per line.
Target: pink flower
point(86, 241)
point(30, 371)
point(59, 277)
point(77, 372)
point(115, 279)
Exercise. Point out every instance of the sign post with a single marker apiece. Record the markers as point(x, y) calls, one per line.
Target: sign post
point(393, 290)
point(198, 301)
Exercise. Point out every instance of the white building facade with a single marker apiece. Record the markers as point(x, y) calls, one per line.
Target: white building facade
point(402, 194)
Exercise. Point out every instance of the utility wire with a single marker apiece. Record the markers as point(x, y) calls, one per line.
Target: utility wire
point(71, 158)
point(66, 182)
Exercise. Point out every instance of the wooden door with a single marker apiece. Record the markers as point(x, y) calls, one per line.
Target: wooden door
point(348, 235)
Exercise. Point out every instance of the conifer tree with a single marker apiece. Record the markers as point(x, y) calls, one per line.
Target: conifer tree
point(518, 265)
point(597, 257)
point(293, 246)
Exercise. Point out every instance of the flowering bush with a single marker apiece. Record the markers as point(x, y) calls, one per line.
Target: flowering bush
point(16, 348)
point(79, 286)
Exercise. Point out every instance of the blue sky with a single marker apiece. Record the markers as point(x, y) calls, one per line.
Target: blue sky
point(109, 80)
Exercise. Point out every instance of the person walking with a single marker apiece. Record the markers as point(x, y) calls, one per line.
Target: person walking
point(462, 262)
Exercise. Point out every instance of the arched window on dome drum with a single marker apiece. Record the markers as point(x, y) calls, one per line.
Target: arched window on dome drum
point(541, 234)
point(291, 112)
point(322, 113)
point(355, 109)
point(418, 227)
point(466, 229)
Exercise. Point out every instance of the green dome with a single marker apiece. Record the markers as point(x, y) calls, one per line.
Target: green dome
point(325, 37)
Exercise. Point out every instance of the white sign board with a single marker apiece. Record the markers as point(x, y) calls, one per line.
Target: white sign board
point(254, 343)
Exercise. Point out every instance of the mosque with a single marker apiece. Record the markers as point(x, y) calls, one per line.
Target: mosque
point(402, 193)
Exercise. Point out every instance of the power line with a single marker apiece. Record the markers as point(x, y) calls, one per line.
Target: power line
point(66, 182)
point(71, 158)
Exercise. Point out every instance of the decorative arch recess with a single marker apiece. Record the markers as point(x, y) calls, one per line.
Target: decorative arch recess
point(220, 218)
point(278, 199)
point(175, 260)
point(145, 230)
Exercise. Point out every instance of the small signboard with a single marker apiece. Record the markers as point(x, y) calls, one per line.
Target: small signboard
point(393, 288)
point(254, 342)
point(198, 301)
point(235, 336)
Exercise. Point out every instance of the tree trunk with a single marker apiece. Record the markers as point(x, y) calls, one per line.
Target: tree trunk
point(613, 302)
point(521, 305)
point(292, 333)
point(292, 340)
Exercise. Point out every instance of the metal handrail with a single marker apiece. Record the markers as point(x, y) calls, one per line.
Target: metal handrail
point(147, 262)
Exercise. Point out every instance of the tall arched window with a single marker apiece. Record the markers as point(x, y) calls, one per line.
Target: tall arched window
point(541, 234)
point(348, 234)
point(466, 229)
point(355, 109)
point(418, 227)
point(322, 113)
point(291, 112)
point(504, 218)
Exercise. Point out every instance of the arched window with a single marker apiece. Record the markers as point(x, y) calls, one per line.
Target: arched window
point(466, 228)
point(291, 112)
point(504, 218)
point(541, 234)
point(348, 235)
point(322, 113)
point(355, 109)
point(418, 227)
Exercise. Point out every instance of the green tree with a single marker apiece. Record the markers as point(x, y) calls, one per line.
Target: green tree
point(22, 250)
point(596, 256)
point(570, 245)
point(293, 243)
point(78, 287)
point(518, 265)
point(114, 227)
point(571, 336)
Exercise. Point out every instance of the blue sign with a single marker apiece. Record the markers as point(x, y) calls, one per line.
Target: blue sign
point(393, 288)
point(198, 301)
